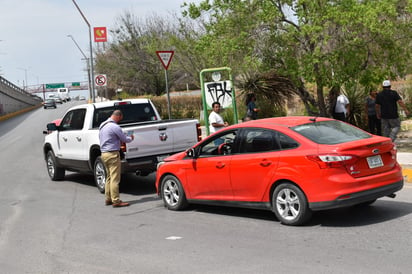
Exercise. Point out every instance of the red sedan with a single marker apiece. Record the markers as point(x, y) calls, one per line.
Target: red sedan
point(290, 165)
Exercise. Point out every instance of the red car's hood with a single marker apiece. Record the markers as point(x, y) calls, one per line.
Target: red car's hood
point(174, 157)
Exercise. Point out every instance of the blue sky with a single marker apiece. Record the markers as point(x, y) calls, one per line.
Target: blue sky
point(34, 42)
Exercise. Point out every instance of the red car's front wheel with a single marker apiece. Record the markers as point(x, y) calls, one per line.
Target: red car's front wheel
point(172, 193)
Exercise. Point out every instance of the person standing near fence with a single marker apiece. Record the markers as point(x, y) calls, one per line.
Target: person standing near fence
point(251, 109)
point(342, 108)
point(374, 124)
point(387, 110)
point(216, 121)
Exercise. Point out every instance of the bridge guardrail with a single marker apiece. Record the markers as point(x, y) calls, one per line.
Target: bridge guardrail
point(14, 99)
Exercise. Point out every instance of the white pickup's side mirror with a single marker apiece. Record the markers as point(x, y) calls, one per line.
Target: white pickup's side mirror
point(51, 127)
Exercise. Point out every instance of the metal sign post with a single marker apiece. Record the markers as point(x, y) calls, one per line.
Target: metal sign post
point(101, 81)
point(217, 91)
point(166, 57)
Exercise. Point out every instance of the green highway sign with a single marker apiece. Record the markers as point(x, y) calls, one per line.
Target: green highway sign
point(76, 84)
point(58, 85)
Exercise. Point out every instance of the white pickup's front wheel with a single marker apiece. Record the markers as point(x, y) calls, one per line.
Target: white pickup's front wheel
point(99, 174)
point(55, 172)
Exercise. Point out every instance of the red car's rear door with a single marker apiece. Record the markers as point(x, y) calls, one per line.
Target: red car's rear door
point(252, 169)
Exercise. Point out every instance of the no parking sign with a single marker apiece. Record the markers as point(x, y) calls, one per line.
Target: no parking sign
point(100, 80)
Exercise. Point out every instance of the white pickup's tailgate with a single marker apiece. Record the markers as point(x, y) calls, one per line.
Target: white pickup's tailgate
point(162, 138)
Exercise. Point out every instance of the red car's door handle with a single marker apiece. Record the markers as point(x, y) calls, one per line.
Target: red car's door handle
point(265, 163)
point(220, 165)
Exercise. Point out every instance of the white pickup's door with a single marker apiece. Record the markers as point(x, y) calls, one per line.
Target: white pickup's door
point(72, 143)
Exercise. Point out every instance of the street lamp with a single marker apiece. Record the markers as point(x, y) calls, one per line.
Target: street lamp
point(25, 77)
point(88, 66)
point(91, 51)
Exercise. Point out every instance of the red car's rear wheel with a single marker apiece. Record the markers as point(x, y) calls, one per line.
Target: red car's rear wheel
point(290, 205)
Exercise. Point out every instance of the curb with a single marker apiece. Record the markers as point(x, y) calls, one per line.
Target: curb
point(407, 173)
point(16, 113)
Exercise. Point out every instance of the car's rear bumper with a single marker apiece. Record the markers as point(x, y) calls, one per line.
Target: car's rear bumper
point(358, 197)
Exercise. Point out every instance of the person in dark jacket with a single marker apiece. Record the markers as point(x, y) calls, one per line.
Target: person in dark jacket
point(386, 106)
point(374, 124)
point(251, 109)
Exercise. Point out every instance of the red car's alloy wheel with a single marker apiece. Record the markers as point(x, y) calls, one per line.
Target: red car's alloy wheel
point(290, 204)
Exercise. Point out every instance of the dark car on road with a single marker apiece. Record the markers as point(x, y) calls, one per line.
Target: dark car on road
point(49, 103)
point(58, 100)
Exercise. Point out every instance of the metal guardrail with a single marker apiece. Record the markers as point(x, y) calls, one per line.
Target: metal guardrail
point(12, 86)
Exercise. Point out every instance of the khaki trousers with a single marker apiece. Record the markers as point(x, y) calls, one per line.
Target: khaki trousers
point(112, 163)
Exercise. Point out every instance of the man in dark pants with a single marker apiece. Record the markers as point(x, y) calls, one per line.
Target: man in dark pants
point(387, 110)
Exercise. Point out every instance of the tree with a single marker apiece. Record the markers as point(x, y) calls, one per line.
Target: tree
point(332, 44)
point(130, 60)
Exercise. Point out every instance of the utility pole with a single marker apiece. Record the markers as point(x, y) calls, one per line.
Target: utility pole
point(25, 78)
point(91, 51)
point(88, 66)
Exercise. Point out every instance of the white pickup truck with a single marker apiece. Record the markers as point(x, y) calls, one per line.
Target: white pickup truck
point(74, 144)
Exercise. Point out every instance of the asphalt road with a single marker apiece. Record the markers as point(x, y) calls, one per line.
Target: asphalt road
point(64, 227)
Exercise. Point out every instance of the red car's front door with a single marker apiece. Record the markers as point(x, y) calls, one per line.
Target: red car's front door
point(209, 178)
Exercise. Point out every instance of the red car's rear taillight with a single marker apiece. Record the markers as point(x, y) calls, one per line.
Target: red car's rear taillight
point(332, 160)
point(394, 151)
point(123, 147)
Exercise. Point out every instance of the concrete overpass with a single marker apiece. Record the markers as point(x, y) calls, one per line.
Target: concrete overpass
point(14, 100)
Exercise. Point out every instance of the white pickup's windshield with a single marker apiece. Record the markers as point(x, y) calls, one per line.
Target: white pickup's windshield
point(132, 113)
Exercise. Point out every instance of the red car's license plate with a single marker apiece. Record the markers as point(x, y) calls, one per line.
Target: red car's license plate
point(374, 161)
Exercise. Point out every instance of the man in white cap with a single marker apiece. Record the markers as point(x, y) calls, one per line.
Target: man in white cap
point(387, 110)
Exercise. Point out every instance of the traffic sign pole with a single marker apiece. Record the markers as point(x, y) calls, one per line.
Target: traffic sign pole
point(166, 57)
point(168, 97)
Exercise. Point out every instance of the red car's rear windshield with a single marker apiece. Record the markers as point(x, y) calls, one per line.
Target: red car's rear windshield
point(331, 132)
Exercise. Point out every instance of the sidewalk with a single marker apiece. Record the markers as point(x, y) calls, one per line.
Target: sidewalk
point(405, 160)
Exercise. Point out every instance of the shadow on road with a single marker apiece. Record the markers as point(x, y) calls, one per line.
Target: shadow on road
point(380, 211)
point(130, 183)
